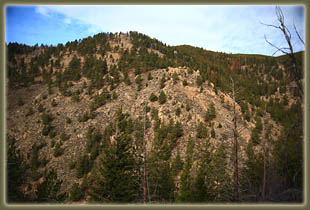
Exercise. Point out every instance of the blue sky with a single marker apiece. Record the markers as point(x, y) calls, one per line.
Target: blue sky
point(230, 29)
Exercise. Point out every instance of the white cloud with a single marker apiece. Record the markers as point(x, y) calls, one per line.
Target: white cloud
point(67, 20)
point(43, 11)
point(220, 28)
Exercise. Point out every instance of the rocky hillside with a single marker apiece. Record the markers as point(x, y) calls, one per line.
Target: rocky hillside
point(67, 104)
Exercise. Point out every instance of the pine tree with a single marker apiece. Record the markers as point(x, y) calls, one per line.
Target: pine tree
point(15, 170)
point(202, 182)
point(211, 113)
point(115, 177)
point(186, 191)
point(47, 191)
point(222, 190)
point(162, 97)
point(177, 164)
point(76, 193)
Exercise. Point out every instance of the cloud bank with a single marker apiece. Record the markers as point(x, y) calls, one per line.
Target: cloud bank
point(231, 29)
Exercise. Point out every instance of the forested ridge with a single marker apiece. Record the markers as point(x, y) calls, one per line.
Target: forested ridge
point(125, 118)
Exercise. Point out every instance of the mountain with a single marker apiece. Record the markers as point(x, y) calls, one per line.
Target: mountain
point(86, 118)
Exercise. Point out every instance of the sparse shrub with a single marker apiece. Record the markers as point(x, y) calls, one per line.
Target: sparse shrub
point(92, 115)
point(30, 112)
point(154, 113)
point(84, 117)
point(210, 114)
point(68, 120)
point(54, 103)
point(149, 76)
point(188, 107)
point(153, 97)
point(40, 108)
point(114, 95)
point(57, 150)
point(162, 97)
point(46, 118)
point(185, 82)
point(202, 131)
point(213, 133)
point(220, 125)
point(178, 111)
point(52, 143)
point(46, 129)
point(127, 81)
point(52, 134)
point(162, 81)
point(139, 82)
point(64, 137)
point(175, 78)
point(72, 164)
point(247, 116)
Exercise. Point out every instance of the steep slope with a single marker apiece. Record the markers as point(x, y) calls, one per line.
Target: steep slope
point(57, 94)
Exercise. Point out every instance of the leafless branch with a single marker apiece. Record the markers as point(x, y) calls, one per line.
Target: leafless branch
point(298, 35)
point(278, 49)
point(278, 27)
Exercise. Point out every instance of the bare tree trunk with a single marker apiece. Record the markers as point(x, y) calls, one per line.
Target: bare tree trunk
point(264, 179)
point(264, 156)
point(144, 156)
point(235, 131)
point(144, 168)
point(265, 149)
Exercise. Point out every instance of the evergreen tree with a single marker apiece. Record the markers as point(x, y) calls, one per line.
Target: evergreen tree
point(162, 97)
point(48, 190)
point(115, 178)
point(202, 131)
point(76, 193)
point(252, 173)
point(211, 113)
point(202, 183)
point(186, 188)
point(221, 188)
point(15, 170)
point(177, 164)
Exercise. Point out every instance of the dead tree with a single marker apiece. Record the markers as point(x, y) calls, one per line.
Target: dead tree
point(144, 168)
point(235, 137)
point(265, 161)
point(237, 129)
point(145, 182)
point(294, 74)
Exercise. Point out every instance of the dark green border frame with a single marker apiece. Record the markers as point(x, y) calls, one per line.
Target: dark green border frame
point(3, 4)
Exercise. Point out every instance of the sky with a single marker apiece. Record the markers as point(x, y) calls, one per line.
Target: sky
point(229, 29)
